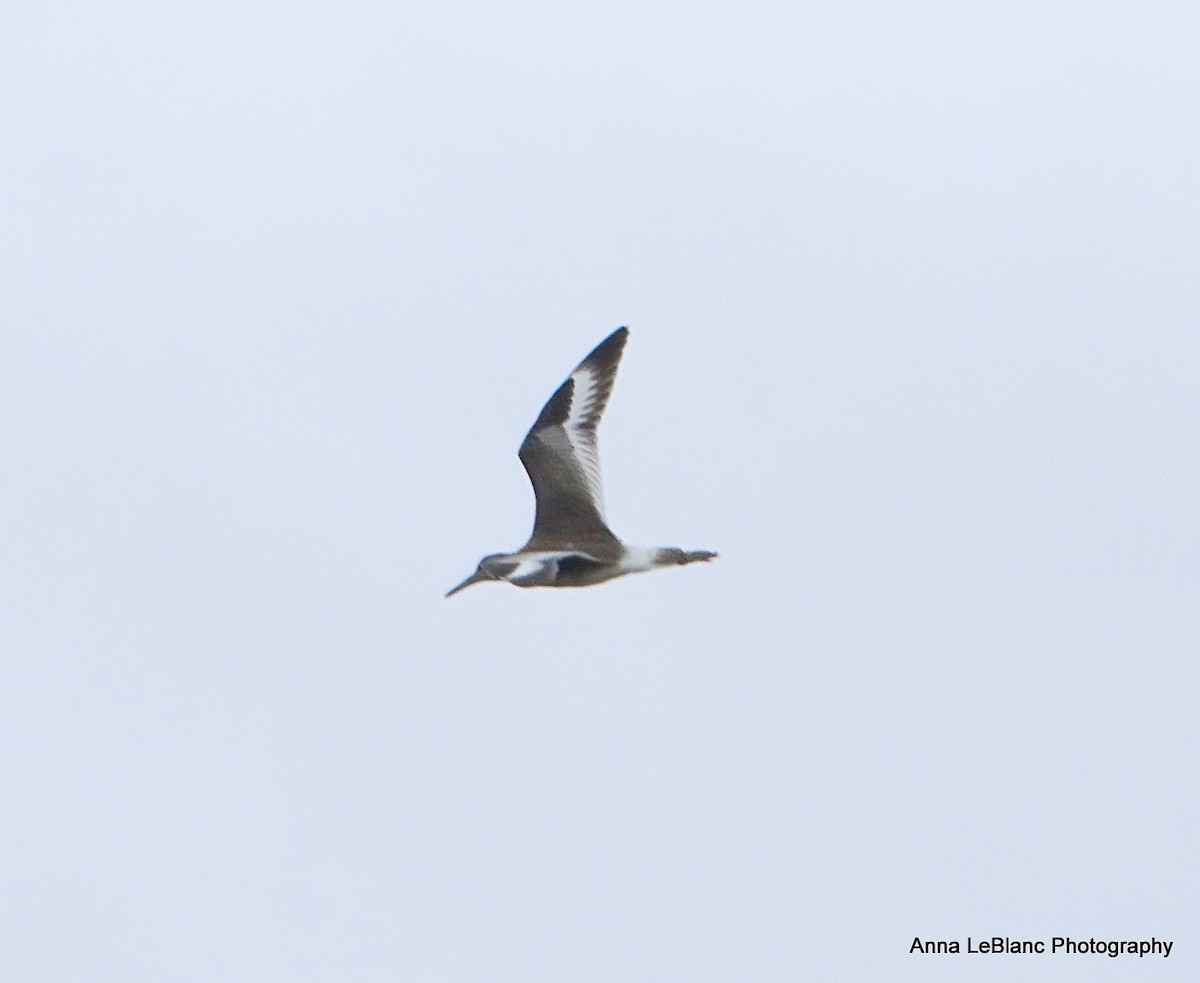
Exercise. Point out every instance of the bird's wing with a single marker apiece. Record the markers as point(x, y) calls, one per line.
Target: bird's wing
point(560, 455)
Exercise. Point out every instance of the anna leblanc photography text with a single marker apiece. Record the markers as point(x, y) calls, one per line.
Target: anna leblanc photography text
point(1002, 945)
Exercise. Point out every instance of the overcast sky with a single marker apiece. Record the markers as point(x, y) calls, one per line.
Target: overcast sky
point(912, 293)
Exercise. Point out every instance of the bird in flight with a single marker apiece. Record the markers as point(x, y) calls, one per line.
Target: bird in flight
point(571, 545)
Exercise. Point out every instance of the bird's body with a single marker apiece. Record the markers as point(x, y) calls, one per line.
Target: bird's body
point(571, 545)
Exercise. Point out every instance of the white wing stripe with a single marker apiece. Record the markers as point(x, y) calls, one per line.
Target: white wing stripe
point(530, 565)
point(583, 441)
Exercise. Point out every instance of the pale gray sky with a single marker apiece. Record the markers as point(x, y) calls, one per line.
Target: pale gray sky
point(913, 300)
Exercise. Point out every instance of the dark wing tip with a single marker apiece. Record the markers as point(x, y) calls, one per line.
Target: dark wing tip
point(604, 358)
point(610, 349)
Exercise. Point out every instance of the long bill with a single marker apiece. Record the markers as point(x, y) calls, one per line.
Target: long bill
point(473, 579)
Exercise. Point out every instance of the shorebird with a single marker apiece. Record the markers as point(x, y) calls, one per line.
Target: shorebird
point(571, 545)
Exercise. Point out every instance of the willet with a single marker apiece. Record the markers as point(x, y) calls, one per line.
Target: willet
point(571, 545)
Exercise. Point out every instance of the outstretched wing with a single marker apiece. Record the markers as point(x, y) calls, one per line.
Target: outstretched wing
point(560, 456)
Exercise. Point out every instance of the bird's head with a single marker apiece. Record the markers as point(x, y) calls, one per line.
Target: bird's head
point(488, 569)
